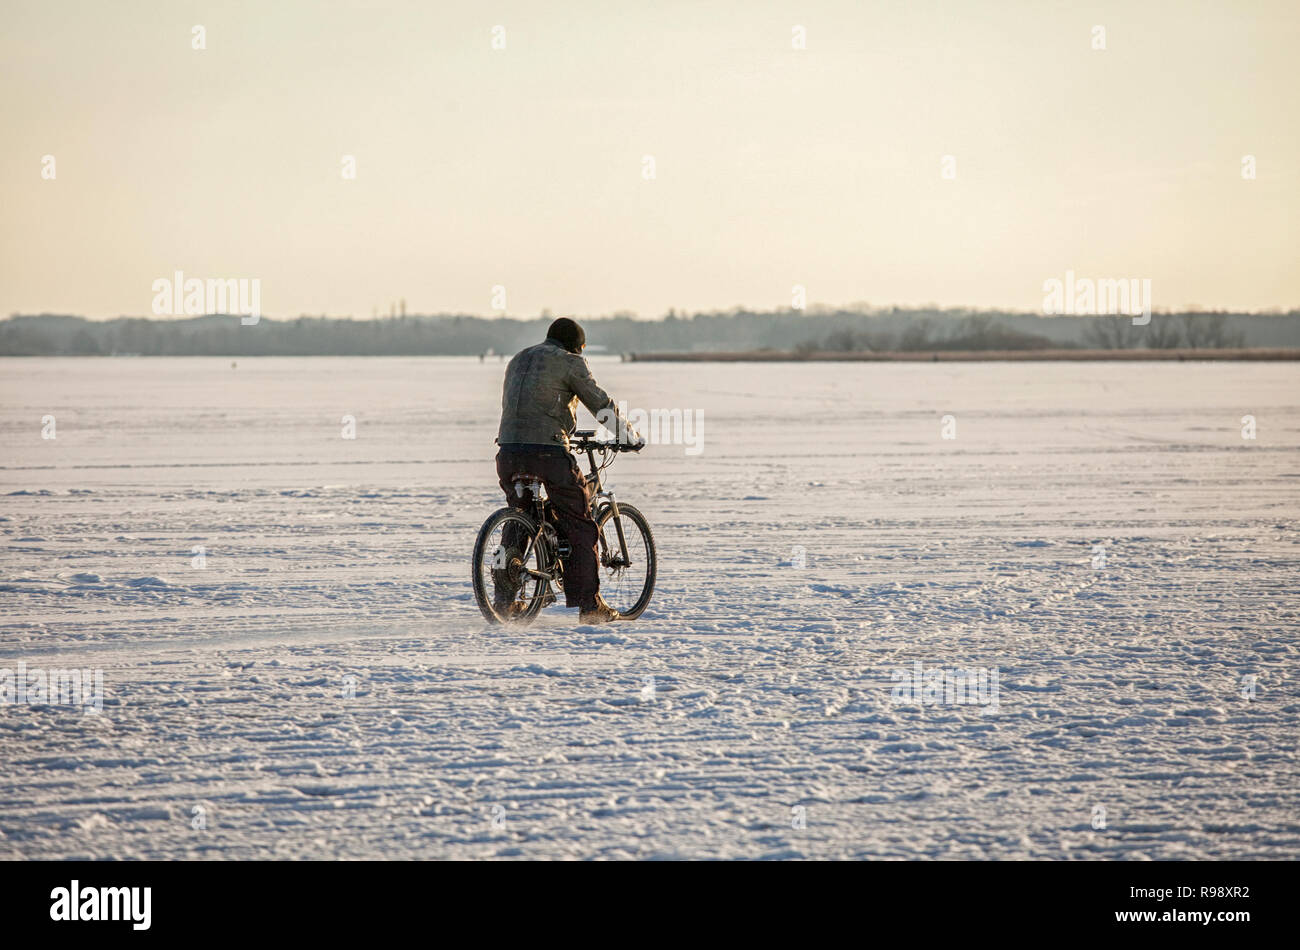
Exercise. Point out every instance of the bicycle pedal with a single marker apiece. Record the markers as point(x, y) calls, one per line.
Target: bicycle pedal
point(548, 598)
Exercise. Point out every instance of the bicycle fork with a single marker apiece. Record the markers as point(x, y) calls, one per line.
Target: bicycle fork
point(626, 559)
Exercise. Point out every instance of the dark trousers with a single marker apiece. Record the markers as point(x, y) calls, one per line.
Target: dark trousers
point(570, 500)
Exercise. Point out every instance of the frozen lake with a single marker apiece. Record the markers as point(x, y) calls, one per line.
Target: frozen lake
point(1104, 536)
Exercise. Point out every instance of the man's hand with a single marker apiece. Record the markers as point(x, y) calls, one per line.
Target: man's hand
point(635, 441)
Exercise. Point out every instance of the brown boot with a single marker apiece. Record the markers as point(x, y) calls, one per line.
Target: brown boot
point(599, 612)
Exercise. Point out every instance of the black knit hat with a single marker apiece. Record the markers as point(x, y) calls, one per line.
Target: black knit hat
point(568, 334)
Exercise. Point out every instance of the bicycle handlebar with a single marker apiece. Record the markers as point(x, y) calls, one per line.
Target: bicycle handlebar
point(584, 440)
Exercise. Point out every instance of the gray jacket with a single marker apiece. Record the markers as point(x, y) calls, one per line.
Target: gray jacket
point(540, 398)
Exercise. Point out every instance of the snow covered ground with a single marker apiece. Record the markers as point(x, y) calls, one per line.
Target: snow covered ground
point(319, 684)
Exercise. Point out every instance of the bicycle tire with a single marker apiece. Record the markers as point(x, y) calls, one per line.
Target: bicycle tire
point(544, 558)
point(632, 515)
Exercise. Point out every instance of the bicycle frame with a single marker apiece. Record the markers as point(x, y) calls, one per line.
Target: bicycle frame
point(539, 516)
point(594, 479)
point(601, 497)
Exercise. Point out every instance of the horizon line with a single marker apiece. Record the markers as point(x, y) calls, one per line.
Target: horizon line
point(813, 310)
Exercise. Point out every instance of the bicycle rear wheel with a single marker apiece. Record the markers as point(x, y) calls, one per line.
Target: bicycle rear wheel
point(508, 548)
point(626, 584)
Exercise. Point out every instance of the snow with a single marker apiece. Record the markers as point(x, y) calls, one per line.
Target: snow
point(323, 685)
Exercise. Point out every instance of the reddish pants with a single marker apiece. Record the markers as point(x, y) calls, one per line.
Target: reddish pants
point(570, 500)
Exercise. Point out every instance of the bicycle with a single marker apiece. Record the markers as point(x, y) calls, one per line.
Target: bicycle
point(521, 550)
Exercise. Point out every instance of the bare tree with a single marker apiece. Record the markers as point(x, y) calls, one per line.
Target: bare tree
point(1162, 333)
point(916, 336)
point(878, 341)
point(1111, 332)
point(1209, 331)
point(841, 340)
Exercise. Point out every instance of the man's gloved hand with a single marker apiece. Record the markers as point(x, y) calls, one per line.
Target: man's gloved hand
point(635, 441)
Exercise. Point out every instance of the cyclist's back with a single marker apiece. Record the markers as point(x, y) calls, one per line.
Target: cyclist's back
point(543, 386)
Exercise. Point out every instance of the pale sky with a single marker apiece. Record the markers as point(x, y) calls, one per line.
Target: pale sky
point(523, 167)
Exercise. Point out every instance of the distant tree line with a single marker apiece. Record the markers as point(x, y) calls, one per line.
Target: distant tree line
point(859, 328)
point(988, 332)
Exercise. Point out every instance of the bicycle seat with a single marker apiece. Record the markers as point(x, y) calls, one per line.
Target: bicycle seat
point(526, 481)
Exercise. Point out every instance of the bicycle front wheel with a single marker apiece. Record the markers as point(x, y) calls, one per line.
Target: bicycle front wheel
point(626, 581)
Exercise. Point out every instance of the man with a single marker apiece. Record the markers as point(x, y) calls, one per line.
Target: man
point(543, 386)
